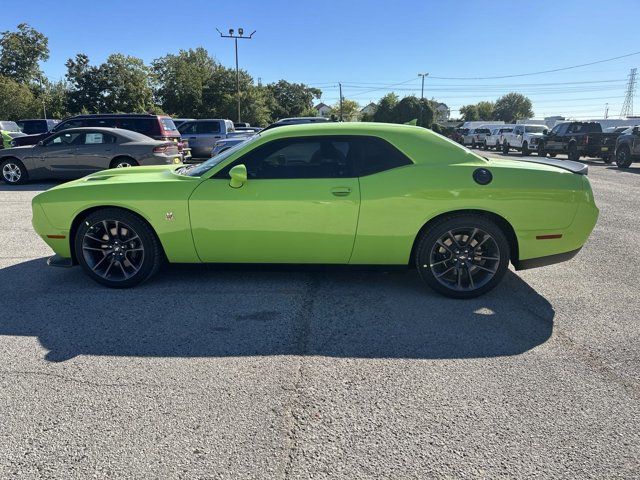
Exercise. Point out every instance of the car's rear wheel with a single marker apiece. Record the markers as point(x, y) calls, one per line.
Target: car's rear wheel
point(623, 157)
point(13, 171)
point(123, 162)
point(462, 256)
point(473, 144)
point(505, 148)
point(525, 149)
point(117, 248)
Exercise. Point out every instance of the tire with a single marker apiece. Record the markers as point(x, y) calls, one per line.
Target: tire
point(117, 248)
point(123, 162)
point(541, 151)
point(473, 144)
point(485, 146)
point(462, 256)
point(608, 159)
point(623, 157)
point(553, 155)
point(525, 149)
point(572, 153)
point(13, 171)
point(505, 148)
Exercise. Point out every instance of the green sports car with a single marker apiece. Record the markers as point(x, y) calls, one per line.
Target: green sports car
point(331, 193)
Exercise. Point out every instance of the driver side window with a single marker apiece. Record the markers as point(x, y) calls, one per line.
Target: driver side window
point(64, 139)
point(296, 158)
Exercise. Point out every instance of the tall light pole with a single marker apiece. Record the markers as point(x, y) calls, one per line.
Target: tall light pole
point(422, 97)
point(235, 37)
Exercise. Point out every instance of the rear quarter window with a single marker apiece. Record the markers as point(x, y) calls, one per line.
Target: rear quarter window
point(376, 155)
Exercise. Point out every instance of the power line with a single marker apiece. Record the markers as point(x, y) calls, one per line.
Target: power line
point(540, 72)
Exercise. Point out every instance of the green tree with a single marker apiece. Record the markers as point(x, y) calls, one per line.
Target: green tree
point(292, 99)
point(16, 100)
point(181, 80)
point(55, 97)
point(513, 106)
point(385, 111)
point(21, 52)
point(127, 86)
point(412, 108)
point(485, 110)
point(87, 86)
point(469, 113)
point(350, 110)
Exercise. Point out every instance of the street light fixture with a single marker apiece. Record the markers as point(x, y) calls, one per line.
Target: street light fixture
point(235, 38)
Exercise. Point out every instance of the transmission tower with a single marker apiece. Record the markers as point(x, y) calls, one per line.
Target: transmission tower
point(627, 106)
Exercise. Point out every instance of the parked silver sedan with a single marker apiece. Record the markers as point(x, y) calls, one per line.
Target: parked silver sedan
point(76, 152)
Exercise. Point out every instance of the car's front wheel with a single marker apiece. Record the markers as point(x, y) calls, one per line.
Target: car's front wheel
point(623, 157)
point(13, 171)
point(525, 149)
point(462, 256)
point(117, 248)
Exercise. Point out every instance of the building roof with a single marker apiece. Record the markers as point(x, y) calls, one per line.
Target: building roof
point(321, 105)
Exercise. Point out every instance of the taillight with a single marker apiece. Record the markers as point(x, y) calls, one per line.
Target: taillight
point(162, 148)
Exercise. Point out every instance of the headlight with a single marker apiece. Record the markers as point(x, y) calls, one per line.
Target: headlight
point(12, 143)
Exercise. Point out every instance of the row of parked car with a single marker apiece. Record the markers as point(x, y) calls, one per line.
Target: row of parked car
point(574, 139)
point(83, 144)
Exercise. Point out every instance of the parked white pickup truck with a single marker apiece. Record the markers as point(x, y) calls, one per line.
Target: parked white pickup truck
point(523, 138)
point(494, 140)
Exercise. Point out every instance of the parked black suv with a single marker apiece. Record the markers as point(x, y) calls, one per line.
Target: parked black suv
point(628, 147)
point(578, 139)
point(33, 126)
point(159, 127)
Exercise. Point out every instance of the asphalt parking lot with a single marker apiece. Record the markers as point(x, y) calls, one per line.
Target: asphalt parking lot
point(323, 373)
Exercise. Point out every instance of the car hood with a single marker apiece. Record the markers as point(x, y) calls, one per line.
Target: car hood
point(132, 175)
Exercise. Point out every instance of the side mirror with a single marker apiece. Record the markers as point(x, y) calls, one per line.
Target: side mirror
point(238, 176)
point(40, 143)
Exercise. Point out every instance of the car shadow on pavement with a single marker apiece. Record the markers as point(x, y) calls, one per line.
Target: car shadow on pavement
point(199, 311)
point(29, 187)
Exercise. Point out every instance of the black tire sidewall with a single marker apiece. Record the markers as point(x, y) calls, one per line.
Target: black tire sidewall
point(429, 237)
point(152, 252)
point(24, 175)
point(623, 163)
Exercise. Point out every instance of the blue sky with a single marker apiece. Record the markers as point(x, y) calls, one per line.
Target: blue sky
point(373, 47)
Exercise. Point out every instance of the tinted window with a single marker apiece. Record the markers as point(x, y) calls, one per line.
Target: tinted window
point(377, 155)
point(187, 128)
point(146, 126)
point(319, 157)
point(70, 124)
point(99, 122)
point(207, 127)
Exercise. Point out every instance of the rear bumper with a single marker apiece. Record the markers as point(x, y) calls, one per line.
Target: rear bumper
point(546, 260)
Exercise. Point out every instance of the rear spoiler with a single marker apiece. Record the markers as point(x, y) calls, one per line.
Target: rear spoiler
point(573, 167)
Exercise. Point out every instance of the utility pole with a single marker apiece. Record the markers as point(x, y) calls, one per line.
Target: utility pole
point(44, 105)
point(422, 91)
point(235, 38)
point(606, 111)
point(422, 98)
point(340, 85)
point(627, 106)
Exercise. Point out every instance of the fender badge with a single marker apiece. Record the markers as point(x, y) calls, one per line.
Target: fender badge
point(169, 216)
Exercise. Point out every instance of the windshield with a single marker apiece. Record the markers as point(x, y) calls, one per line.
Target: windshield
point(9, 126)
point(204, 167)
point(536, 128)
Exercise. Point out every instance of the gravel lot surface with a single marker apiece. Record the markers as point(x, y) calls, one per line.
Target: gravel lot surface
point(323, 373)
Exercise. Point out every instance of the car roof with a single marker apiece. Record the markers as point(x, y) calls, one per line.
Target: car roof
point(129, 134)
point(409, 139)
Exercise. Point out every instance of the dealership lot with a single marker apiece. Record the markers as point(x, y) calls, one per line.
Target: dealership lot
point(324, 373)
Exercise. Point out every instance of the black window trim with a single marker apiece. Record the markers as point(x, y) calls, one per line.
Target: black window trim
point(219, 175)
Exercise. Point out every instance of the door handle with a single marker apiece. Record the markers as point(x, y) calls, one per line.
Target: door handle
point(341, 191)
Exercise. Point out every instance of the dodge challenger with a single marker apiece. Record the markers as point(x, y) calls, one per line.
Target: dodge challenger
point(329, 193)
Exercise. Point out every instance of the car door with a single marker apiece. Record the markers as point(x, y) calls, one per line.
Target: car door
point(299, 205)
point(551, 140)
point(94, 151)
point(57, 155)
